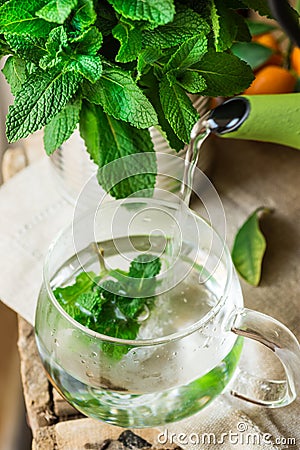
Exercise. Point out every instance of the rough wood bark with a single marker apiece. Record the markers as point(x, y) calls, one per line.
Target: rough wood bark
point(35, 383)
point(62, 409)
point(85, 434)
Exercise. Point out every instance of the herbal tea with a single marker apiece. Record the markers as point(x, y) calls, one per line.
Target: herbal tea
point(166, 376)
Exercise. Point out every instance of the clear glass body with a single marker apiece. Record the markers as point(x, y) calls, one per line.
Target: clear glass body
point(185, 354)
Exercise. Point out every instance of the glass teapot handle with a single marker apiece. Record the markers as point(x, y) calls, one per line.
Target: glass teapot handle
point(271, 118)
point(278, 338)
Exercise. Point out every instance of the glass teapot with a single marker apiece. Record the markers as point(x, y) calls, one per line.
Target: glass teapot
point(188, 346)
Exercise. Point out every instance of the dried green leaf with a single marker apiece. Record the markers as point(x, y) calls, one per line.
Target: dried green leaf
point(249, 249)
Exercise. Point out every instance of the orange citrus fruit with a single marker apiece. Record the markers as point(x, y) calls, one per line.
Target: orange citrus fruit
point(295, 59)
point(272, 80)
point(268, 40)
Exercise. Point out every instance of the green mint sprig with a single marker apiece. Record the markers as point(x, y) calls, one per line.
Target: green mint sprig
point(105, 306)
point(116, 68)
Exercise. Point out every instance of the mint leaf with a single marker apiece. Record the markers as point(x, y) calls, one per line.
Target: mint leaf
point(81, 300)
point(27, 46)
point(189, 53)
point(57, 40)
point(146, 58)
point(178, 109)
point(185, 25)
point(27, 6)
point(57, 10)
point(122, 329)
point(44, 95)
point(126, 329)
point(4, 48)
point(224, 74)
point(259, 27)
point(102, 307)
point(121, 98)
point(109, 290)
point(153, 11)
point(235, 4)
point(19, 17)
point(90, 123)
point(130, 38)
point(89, 42)
point(145, 266)
point(89, 66)
point(131, 308)
point(59, 55)
point(69, 294)
point(243, 33)
point(61, 126)
point(249, 248)
point(192, 82)
point(261, 6)
point(224, 25)
point(108, 140)
point(56, 44)
point(151, 87)
point(89, 303)
point(252, 53)
point(85, 15)
point(106, 18)
point(15, 72)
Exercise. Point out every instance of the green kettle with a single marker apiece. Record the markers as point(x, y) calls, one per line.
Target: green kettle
point(271, 118)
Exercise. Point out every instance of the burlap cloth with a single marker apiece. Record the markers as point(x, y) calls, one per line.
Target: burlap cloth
point(247, 175)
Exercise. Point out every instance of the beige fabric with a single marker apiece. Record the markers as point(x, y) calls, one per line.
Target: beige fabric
point(224, 427)
point(32, 211)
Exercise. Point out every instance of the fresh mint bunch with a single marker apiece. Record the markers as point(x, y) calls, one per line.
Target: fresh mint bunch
point(117, 68)
point(106, 306)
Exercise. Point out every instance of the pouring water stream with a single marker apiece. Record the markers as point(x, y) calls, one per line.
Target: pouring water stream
point(199, 134)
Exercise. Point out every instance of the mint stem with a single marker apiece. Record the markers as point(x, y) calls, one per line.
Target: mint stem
point(100, 254)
